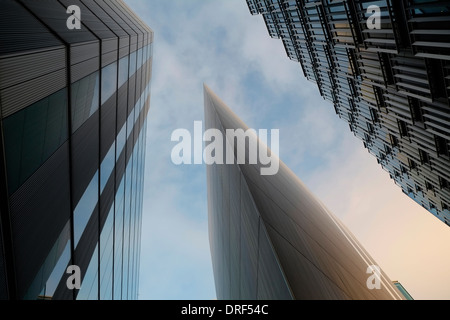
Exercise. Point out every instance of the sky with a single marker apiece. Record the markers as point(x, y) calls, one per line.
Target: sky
point(221, 44)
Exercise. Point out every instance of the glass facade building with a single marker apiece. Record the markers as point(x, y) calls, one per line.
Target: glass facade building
point(271, 238)
point(390, 83)
point(74, 104)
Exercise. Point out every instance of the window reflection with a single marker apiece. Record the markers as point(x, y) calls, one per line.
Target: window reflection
point(139, 58)
point(89, 286)
point(47, 279)
point(109, 81)
point(118, 241)
point(132, 64)
point(84, 208)
point(84, 99)
point(106, 257)
point(121, 140)
point(123, 70)
point(32, 135)
point(107, 166)
point(58, 272)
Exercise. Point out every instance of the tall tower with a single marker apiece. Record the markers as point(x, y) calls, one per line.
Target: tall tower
point(271, 238)
point(385, 66)
point(74, 95)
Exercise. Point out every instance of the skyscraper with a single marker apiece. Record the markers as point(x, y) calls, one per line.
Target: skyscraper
point(271, 238)
point(74, 95)
point(385, 66)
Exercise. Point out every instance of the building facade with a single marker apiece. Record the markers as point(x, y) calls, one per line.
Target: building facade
point(385, 66)
point(74, 103)
point(271, 238)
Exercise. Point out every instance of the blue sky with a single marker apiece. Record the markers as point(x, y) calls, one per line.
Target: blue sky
point(221, 44)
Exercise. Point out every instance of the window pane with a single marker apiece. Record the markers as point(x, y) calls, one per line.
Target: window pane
point(109, 81)
point(123, 70)
point(118, 241)
point(84, 208)
point(132, 63)
point(84, 99)
point(107, 166)
point(52, 270)
point(121, 140)
point(139, 58)
point(89, 286)
point(106, 257)
point(58, 272)
point(32, 135)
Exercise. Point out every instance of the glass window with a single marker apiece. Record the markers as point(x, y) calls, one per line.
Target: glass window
point(109, 81)
point(52, 270)
point(139, 58)
point(118, 241)
point(89, 286)
point(84, 208)
point(132, 63)
point(130, 123)
point(121, 140)
point(32, 135)
point(58, 272)
point(84, 99)
point(107, 166)
point(123, 70)
point(106, 257)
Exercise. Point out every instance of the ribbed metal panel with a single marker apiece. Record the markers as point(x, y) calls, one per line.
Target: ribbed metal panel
point(28, 33)
point(109, 45)
point(104, 17)
point(125, 51)
point(109, 58)
point(22, 95)
point(85, 51)
point(39, 211)
point(54, 15)
point(22, 68)
point(83, 69)
point(96, 26)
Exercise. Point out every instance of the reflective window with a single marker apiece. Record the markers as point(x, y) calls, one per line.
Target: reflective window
point(32, 135)
point(121, 140)
point(84, 99)
point(123, 70)
point(58, 271)
point(130, 123)
point(47, 279)
point(126, 229)
point(106, 257)
point(84, 208)
point(139, 58)
point(89, 286)
point(118, 241)
point(107, 166)
point(109, 81)
point(132, 64)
